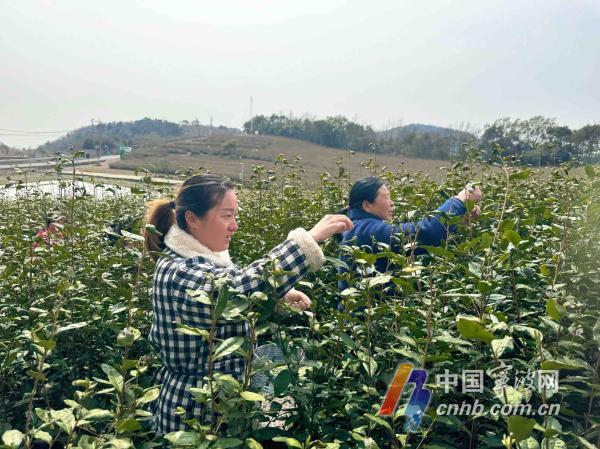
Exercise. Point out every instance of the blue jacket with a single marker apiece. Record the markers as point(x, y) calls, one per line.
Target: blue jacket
point(369, 228)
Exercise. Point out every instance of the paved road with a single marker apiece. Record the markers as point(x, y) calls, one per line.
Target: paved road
point(103, 160)
point(51, 164)
point(125, 177)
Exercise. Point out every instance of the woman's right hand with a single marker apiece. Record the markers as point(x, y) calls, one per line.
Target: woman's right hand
point(329, 225)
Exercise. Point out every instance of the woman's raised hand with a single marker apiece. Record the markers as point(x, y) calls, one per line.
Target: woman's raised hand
point(329, 225)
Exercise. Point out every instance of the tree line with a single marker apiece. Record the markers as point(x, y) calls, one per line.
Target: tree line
point(106, 137)
point(542, 141)
point(423, 141)
point(537, 141)
point(335, 132)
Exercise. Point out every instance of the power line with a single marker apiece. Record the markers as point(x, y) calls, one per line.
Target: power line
point(17, 131)
point(2, 133)
point(28, 136)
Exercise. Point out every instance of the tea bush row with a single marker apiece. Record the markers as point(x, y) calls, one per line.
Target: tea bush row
point(513, 293)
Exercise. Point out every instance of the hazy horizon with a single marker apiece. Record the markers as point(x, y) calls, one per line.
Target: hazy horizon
point(441, 63)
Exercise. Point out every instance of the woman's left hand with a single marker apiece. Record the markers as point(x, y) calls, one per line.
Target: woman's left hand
point(475, 212)
point(473, 215)
point(297, 299)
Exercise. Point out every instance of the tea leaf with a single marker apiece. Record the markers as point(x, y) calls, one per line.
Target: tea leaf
point(554, 309)
point(114, 377)
point(378, 421)
point(12, 438)
point(251, 443)
point(471, 328)
point(194, 331)
point(181, 438)
point(228, 442)
point(251, 396)
point(520, 427)
point(562, 364)
point(290, 442)
point(227, 347)
point(502, 346)
point(281, 381)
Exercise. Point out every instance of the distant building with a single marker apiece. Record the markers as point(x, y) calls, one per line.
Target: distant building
point(123, 150)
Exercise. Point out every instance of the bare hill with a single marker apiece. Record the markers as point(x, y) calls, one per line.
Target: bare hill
point(232, 155)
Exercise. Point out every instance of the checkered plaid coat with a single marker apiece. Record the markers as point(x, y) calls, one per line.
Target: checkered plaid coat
point(190, 265)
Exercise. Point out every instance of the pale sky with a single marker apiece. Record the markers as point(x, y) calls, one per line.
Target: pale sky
point(382, 63)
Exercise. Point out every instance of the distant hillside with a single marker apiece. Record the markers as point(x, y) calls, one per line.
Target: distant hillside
point(424, 141)
point(335, 131)
point(418, 128)
point(107, 137)
point(235, 155)
point(415, 140)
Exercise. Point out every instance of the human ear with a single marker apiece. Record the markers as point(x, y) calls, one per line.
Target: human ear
point(366, 206)
point(190, 218)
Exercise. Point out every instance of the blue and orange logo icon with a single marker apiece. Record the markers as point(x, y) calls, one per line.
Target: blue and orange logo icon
point(419, 399)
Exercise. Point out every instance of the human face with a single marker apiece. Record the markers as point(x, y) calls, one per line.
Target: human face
point(383, 206)
point(215, 229)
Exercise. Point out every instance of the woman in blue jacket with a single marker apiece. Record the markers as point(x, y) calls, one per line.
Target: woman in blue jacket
point(371, 211)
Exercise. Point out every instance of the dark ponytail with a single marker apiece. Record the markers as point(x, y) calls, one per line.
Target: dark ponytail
point(197, 194)
point(160, 215)
point(343, 211)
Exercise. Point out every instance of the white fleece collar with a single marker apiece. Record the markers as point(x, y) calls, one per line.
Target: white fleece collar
point(184, 244)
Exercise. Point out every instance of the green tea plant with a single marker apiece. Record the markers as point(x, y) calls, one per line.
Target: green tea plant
point(511, 293)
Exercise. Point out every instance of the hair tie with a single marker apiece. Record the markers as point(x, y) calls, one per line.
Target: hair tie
point(172, 204)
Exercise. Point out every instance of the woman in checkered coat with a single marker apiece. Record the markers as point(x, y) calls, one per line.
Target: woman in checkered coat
point(191, 246)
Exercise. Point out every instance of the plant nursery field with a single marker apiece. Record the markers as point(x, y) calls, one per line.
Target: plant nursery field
point(501, 321)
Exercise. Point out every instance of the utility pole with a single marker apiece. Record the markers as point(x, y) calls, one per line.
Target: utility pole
point(211, 129)
point(93, 138)
point(251, 128)
point(100, 138)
